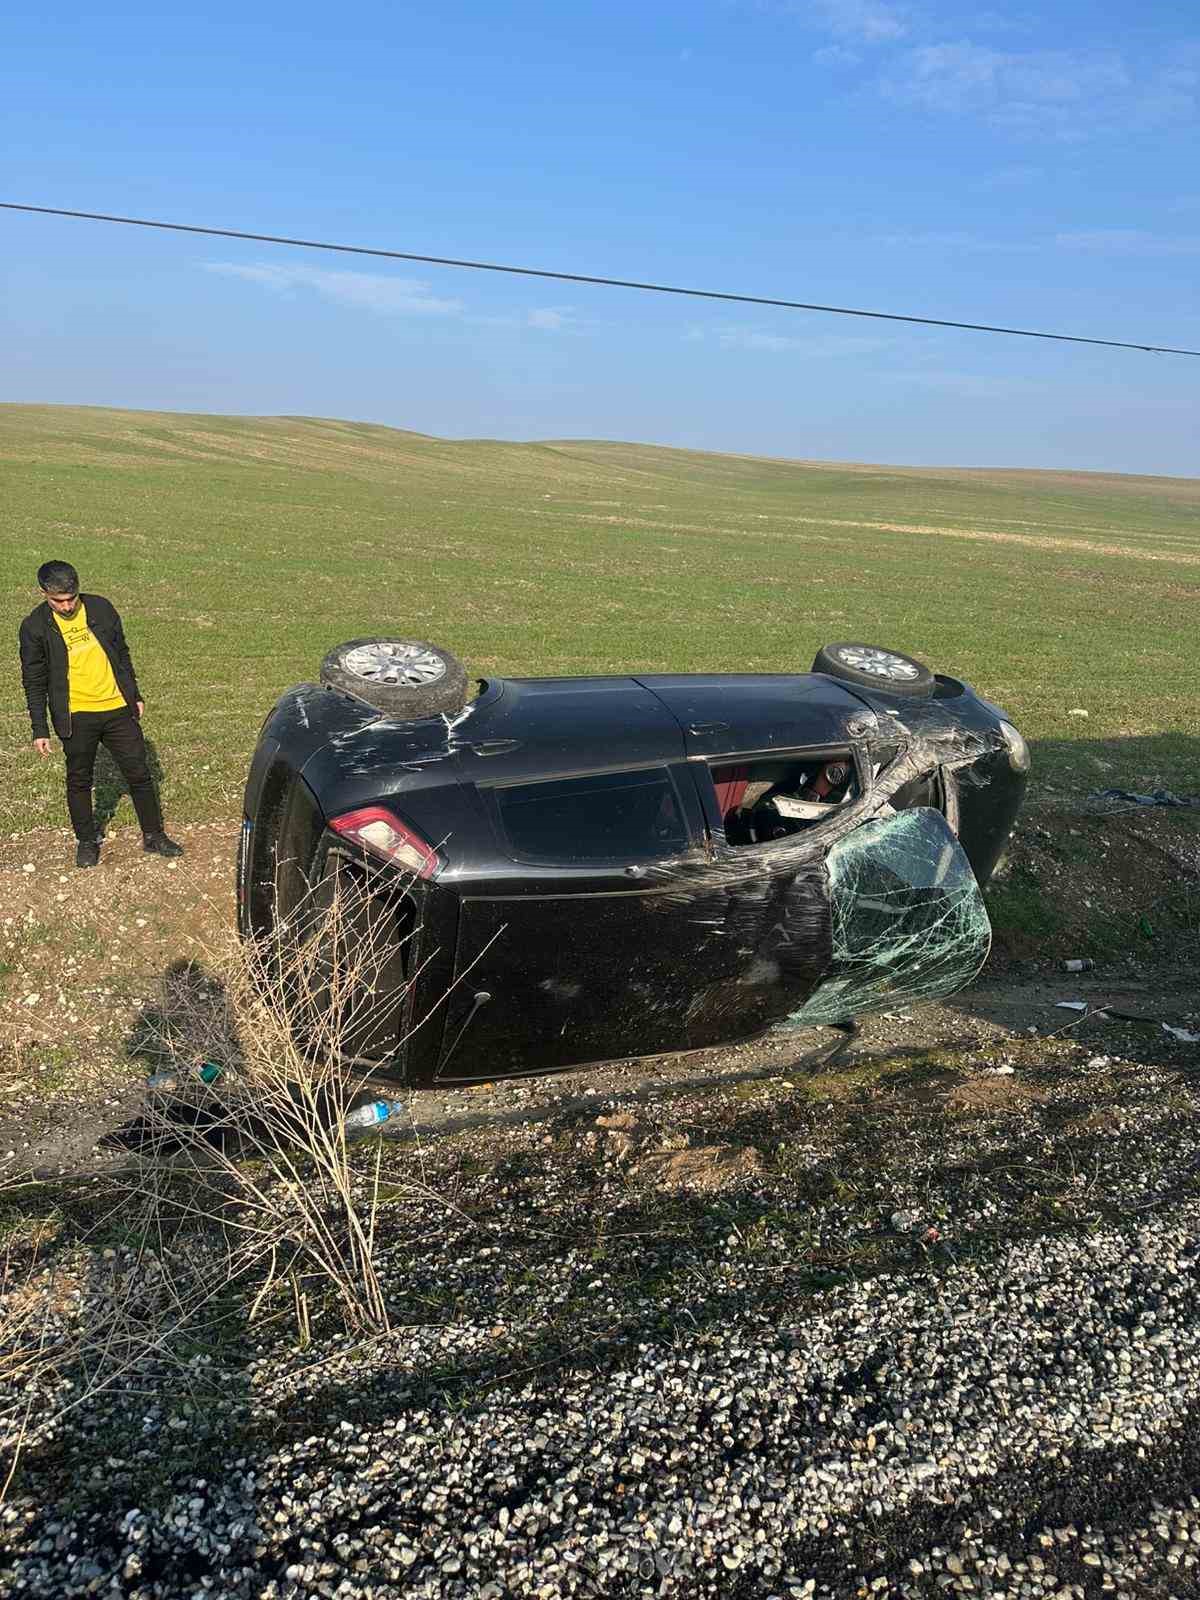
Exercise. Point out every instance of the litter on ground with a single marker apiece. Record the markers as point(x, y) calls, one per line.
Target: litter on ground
point(1129, 798)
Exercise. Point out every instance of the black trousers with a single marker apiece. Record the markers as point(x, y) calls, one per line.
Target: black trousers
point(121, 734)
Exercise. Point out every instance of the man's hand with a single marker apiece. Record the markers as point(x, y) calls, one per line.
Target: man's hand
point(42, 746)
point(141, 705)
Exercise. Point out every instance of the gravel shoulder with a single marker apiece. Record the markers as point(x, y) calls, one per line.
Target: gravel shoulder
point(922, 1321)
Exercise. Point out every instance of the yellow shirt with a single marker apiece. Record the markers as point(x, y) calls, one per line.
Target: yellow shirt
point(89, 671)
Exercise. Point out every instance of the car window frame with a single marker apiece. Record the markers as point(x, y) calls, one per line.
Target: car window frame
point(715, 823)
point(683, 787)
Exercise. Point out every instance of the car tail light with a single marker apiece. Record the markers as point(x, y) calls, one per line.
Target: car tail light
point(383, 834)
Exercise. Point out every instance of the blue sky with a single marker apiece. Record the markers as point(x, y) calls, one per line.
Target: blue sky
point(950, 160)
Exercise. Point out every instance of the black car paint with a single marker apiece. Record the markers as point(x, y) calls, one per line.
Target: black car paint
point(515, 966)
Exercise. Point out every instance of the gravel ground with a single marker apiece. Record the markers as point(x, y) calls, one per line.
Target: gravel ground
point(916, 1326)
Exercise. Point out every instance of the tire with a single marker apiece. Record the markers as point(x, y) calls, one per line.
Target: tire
point(890, 672)
point(402, 677)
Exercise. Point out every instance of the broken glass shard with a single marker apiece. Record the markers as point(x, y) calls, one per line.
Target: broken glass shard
point(909, 922)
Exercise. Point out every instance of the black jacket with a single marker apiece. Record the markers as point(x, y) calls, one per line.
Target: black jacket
point(44, 663)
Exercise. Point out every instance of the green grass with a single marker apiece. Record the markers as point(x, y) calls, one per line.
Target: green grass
point(50, 1066)
point(239, 550)
point(1023, 908)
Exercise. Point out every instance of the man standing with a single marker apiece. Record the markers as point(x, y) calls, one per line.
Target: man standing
point(74, 660)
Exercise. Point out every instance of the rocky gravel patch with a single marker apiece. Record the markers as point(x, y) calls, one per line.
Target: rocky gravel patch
point(728, 1324)
point(877, 1335)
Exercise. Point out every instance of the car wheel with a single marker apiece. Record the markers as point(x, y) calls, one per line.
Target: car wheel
point(873, 668)
point(403, 677)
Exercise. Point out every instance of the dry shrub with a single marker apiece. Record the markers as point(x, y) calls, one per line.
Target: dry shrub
point(241, 1200)
point(265, 1145)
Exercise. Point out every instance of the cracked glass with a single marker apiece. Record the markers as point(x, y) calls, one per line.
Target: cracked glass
point(909, 922)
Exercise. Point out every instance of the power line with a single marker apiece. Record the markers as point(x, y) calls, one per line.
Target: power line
point(584, 277)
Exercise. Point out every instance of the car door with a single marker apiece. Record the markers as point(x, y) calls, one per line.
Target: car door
point(906, 920)
point(569, 950)
point(629, 938)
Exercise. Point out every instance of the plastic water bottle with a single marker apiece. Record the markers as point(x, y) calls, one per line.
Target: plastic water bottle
point(204, 1071)
point(366, 1118)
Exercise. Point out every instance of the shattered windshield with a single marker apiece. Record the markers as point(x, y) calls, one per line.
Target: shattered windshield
point(909, 922)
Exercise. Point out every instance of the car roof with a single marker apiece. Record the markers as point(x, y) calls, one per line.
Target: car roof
point(524, 729)
point(562, 725)
point(729, 712)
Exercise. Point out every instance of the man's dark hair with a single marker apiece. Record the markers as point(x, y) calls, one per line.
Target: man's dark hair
point(58, 577)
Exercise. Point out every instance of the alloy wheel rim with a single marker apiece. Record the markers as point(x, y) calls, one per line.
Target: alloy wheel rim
point(402, 666)
point(879, 663)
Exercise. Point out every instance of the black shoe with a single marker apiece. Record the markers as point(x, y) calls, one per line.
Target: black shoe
point(87, 853)
point(157, 844)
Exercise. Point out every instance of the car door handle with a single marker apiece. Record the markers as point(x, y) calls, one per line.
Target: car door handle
point(708, 727)
point(495, 747)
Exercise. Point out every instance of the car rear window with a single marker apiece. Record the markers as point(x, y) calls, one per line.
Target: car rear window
point(617, 816)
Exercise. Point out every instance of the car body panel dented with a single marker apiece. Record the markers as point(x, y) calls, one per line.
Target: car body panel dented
point(597, 897)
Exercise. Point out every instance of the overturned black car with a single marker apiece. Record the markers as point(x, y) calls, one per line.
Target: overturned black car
point(570, 870)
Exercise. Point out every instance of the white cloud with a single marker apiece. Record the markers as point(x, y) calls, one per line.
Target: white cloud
point(386, 296)
point(1066, 94)
point(967, 385)
point(814, 347)
point(552, 319)
point(836, 55)
point(546, 319)
point(947, 77)
point(988, 21)
point(868, 21)
point(750, 339)
point(1126, 242)
point(1014, 177)
point(365, 291)
point(966, 77)
point(955, 240)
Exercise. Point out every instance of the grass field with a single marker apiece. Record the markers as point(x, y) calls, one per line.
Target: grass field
point(543, 1240)
point(240, 550)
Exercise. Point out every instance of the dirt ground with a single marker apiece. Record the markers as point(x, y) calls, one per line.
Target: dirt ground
point(86, 963)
